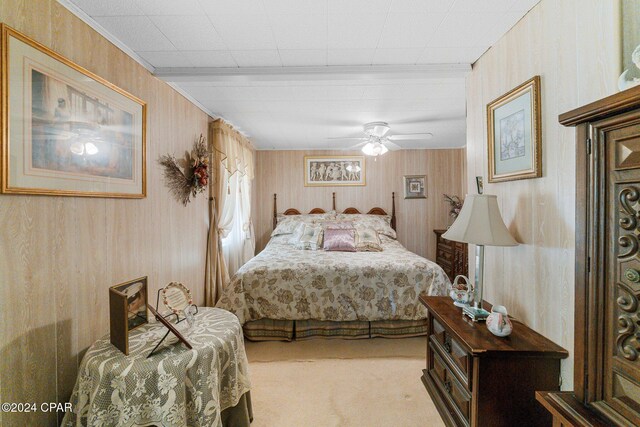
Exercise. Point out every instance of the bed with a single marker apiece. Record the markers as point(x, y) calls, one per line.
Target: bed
point(286, 293)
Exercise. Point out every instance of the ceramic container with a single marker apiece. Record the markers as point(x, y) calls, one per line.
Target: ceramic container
point(461, 294)
point(498, 321)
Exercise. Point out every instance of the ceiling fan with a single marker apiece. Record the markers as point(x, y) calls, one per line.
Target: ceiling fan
point(376, 141)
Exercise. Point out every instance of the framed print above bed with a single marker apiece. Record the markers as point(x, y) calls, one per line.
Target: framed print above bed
point(515, 134)
point(328, 171)
point(67, 131)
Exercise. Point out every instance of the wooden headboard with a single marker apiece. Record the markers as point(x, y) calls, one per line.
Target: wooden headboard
point(372, 211)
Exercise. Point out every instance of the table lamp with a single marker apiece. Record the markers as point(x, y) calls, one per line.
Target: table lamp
point(481, 224)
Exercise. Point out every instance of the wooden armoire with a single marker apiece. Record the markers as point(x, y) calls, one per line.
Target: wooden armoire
point(607, 300)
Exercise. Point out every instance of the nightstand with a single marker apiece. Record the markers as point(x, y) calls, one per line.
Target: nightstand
point(453, 257)
point(477, 379)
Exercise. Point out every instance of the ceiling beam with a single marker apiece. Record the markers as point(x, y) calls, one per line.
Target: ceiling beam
point(354, 72)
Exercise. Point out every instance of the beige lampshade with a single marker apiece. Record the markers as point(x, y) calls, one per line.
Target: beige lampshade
point(480, 223)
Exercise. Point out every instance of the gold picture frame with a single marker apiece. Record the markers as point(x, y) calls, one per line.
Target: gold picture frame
point(128, 304)
point(514, 129)
point(332, 171)
point(65, 130)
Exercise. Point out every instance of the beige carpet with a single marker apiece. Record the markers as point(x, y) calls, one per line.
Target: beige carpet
point(322, 383)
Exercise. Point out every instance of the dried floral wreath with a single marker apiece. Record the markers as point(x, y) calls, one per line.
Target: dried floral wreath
point(194, 179)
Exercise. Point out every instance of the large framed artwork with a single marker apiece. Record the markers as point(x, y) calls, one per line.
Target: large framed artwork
point(65, 130)
point(128, 303)
point(334, 171)
point(515, 134)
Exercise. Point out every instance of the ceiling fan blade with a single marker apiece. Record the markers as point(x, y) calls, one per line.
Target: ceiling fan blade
point(392, 146)
point(345, 138)
point(409, 136)
point(353, 147)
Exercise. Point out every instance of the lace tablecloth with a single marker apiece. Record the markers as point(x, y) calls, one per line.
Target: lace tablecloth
point(175, 387)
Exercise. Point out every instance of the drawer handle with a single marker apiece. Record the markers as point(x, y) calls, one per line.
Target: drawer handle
point(447, 386)
point(447, 345)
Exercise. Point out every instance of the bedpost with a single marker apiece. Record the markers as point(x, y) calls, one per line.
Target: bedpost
point(275, 210)
point(393, 210)
point(334, 200)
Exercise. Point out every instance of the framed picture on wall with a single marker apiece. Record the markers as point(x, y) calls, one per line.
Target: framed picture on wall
point(415, 186)
point(329, 171)
point(515, 134)
point(66, 131)
point(127, 310)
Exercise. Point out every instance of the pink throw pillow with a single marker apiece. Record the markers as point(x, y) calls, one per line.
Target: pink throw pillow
point(340, 240)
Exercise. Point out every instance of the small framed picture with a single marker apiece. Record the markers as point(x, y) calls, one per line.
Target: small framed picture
point(515, 134)
point(127, 310)
point(415, 186)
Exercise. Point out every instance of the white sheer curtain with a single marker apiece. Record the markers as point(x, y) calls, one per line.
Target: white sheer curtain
point(238, 241)
point(233, 235)
point(233, 244)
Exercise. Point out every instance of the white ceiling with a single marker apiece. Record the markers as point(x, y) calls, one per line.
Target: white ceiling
point(234, 57)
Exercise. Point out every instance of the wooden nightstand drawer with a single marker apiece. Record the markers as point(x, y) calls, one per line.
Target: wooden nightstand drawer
point(453, 352)
point(456, 396)
point(444, 255)
point(445, 247)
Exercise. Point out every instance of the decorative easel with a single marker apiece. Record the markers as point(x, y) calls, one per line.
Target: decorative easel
point(182, 297)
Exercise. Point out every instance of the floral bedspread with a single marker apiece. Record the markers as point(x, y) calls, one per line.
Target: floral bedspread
point(175, 387)
point(283, 282)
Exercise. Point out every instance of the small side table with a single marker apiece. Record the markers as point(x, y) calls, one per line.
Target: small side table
point(175, 386)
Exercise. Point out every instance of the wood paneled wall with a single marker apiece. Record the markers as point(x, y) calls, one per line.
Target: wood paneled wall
point(282, 172)
point(59, 255)
point(578, 64)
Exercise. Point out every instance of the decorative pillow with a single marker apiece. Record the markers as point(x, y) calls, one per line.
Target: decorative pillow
point(380, 223)
point(297, 233)
point(287, 225)
point(337, 225)
point(310, 239)
point(340, 240)
point(367, 240)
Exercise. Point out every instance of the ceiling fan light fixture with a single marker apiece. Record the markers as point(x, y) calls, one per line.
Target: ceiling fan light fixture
point(374, 149)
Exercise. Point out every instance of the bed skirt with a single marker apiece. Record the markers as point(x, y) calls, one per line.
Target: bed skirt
point(288, 330)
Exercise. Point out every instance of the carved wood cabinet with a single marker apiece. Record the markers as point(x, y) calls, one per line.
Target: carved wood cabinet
point(453, 257)
point(607, 322)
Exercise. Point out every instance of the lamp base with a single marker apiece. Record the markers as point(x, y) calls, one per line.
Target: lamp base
point(475, 314)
